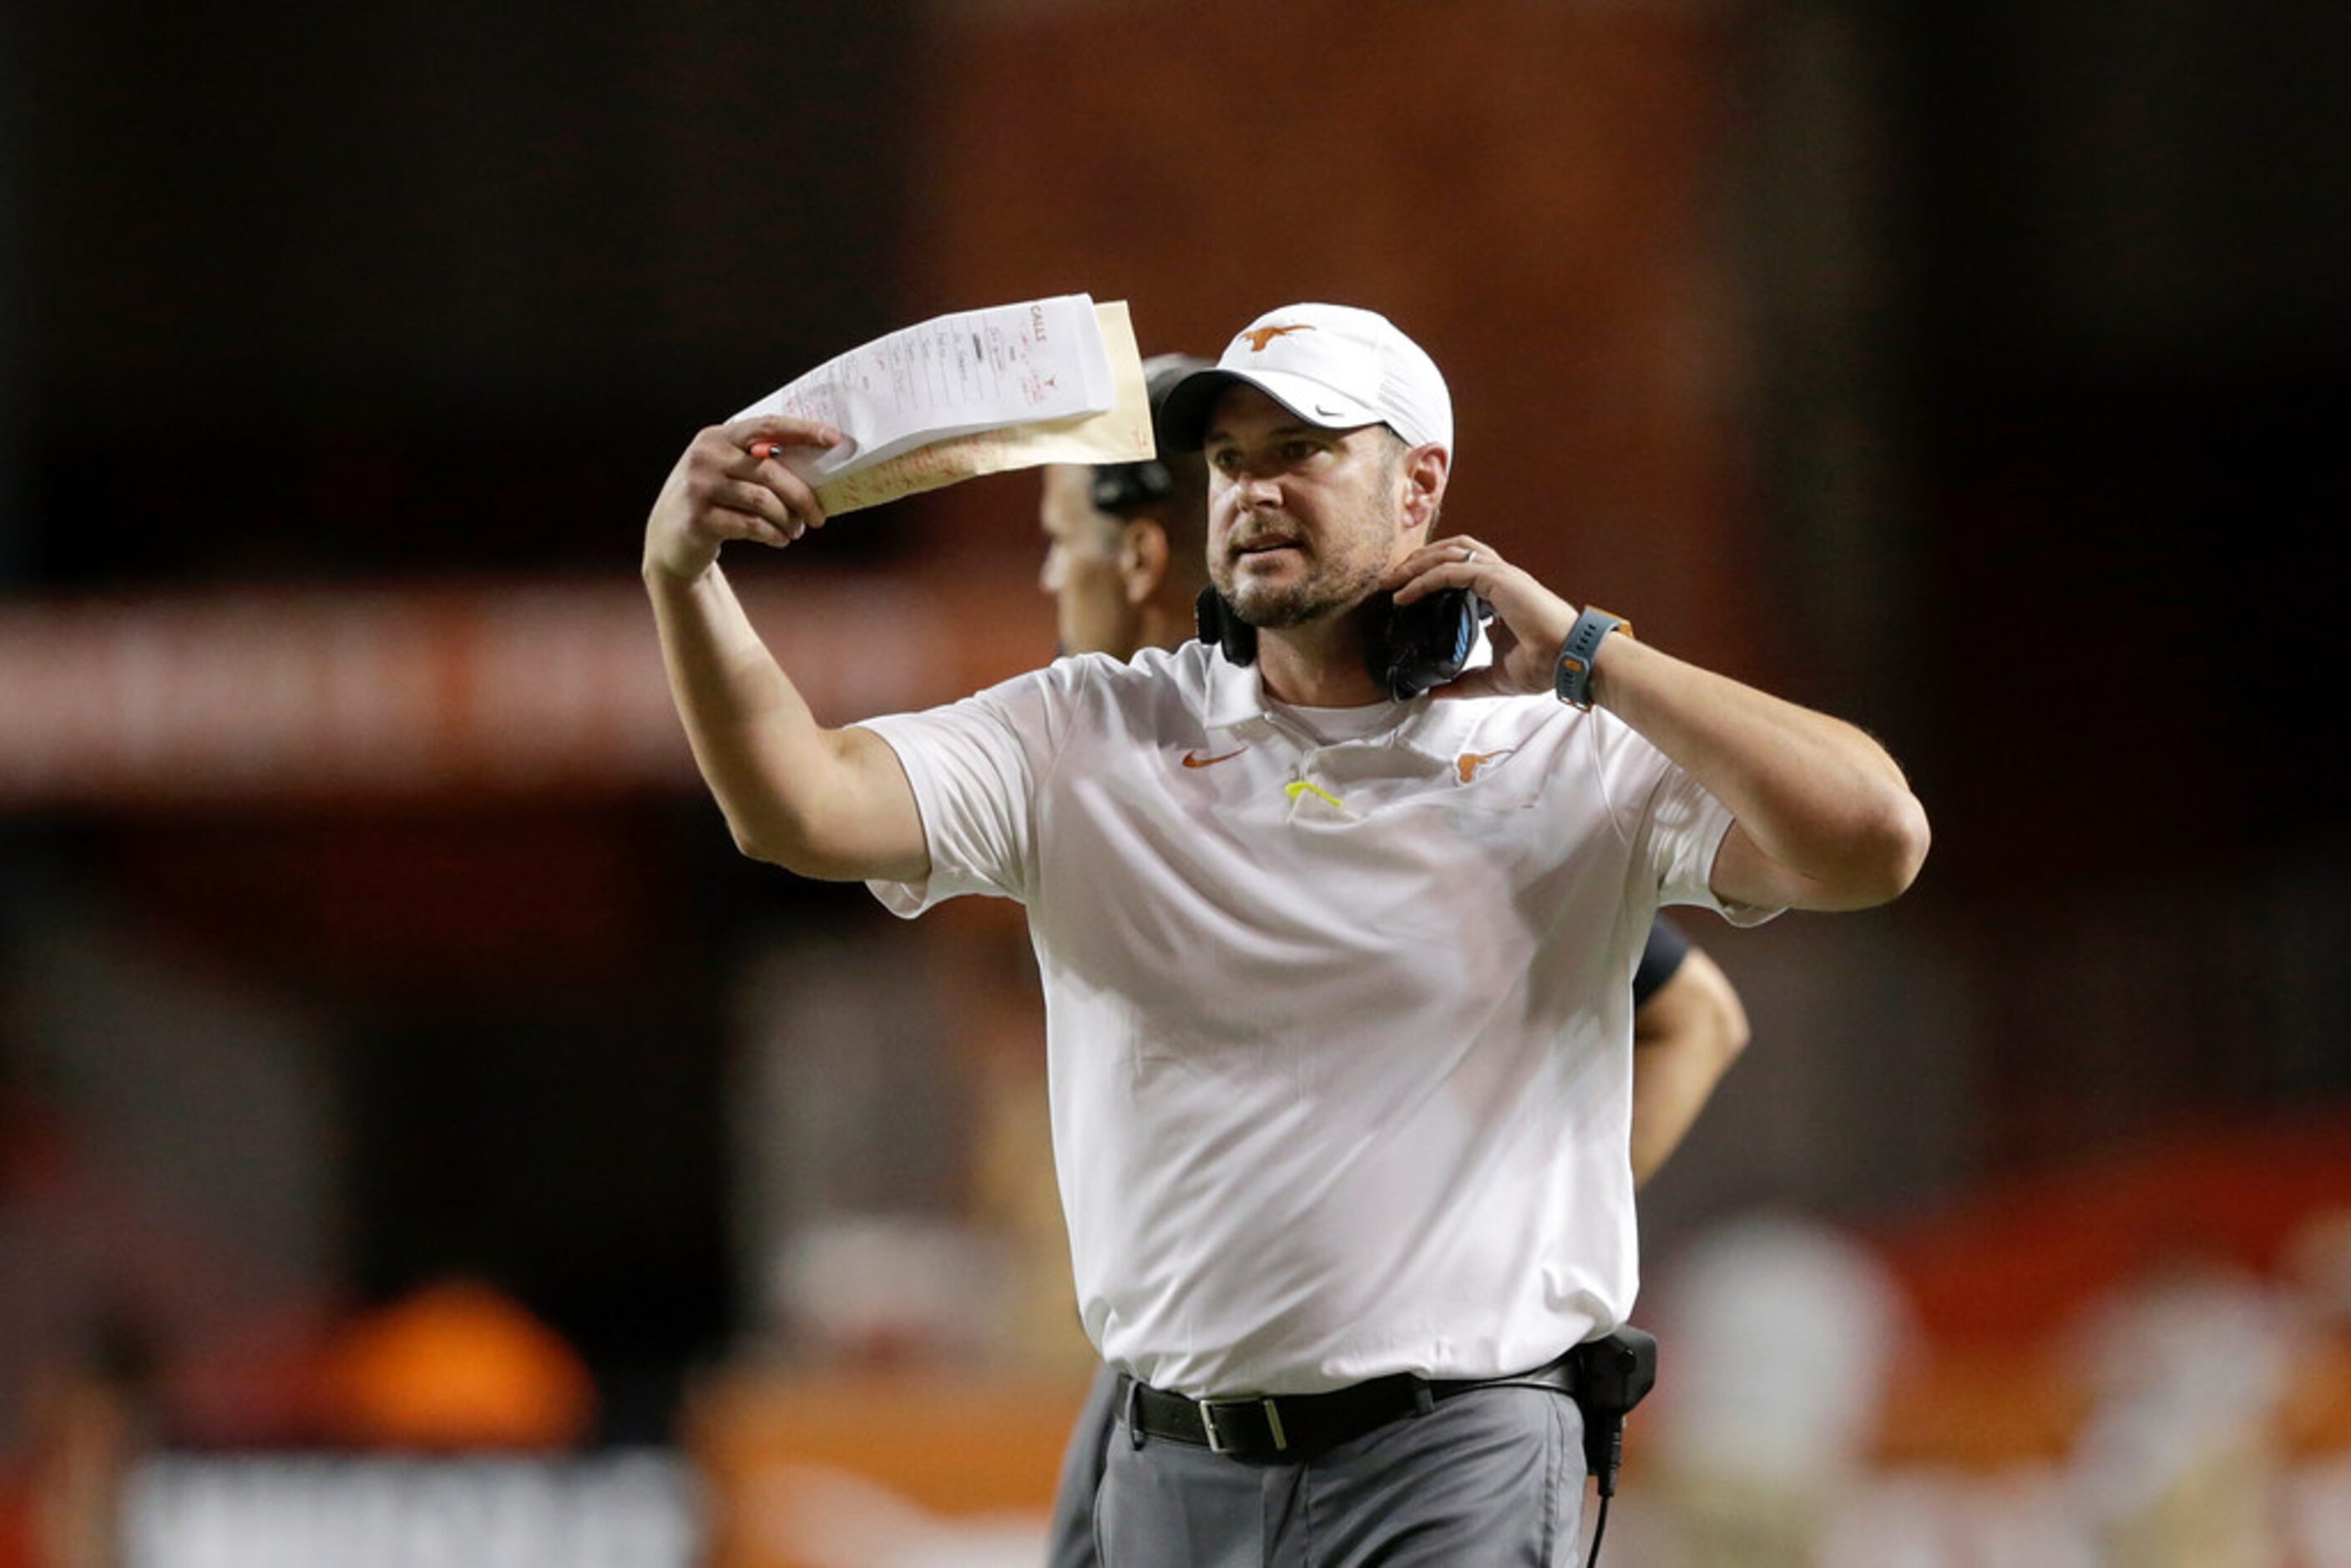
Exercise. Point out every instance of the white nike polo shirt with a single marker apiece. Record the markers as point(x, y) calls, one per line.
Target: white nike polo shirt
point(1339, 1035)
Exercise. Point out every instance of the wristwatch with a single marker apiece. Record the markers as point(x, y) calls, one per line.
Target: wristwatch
point(1570, 679)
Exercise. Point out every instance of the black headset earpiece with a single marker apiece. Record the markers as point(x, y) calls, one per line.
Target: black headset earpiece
point(1413, 647)
point(1418, 646)
point(1220, 627)
point(1122, 487)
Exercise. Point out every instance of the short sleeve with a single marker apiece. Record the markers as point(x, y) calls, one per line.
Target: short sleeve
point(1674, 824)
point(975, 767)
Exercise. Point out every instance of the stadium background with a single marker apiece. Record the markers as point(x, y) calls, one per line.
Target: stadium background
point(395, 1057)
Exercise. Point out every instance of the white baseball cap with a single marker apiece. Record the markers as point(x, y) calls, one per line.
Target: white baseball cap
point(1331, 365)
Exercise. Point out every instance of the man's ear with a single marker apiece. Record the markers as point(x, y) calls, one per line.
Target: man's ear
point(1142, 558)
point(1425, 470)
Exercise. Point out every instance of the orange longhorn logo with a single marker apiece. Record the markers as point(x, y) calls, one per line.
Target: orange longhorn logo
point(1258, 337)
point(1468, 763)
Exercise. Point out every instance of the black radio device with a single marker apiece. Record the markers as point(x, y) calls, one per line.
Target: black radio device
point(1612, 1374)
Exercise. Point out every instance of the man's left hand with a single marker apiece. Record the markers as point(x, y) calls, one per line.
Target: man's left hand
point(1529, 622)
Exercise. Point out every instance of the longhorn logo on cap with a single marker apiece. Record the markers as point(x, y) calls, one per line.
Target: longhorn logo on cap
point(1258, 337)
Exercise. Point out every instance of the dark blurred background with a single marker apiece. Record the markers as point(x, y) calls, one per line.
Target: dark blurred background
point(1974, 372)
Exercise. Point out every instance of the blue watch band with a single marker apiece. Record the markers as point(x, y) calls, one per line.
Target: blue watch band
point(1570, 679)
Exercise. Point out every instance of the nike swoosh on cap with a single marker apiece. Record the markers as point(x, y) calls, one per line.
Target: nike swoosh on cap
point(1194, 760)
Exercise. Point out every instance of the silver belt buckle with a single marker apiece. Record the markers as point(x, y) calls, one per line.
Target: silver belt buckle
point(1217, 1444)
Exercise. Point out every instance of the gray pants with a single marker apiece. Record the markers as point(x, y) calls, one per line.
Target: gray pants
point(1491, 1478)
point(1071, 1541)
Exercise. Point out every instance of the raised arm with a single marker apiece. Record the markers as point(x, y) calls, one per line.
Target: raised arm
point(1824, 817)
point(830, 803)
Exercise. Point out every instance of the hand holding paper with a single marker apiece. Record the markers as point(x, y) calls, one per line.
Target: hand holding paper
point(980, 392)
point(721, 488)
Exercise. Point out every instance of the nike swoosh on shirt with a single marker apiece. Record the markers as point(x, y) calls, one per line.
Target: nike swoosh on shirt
point(1194, 760)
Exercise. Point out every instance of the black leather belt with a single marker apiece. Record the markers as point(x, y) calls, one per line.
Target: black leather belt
point(1293, 1427)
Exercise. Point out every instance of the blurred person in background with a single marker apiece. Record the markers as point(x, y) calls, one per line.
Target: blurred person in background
point(1126, 555)
point(1340, 1058)
point(1786, 1332)
point(2190, 1363)
point(1126, 544)
point(106, 1292)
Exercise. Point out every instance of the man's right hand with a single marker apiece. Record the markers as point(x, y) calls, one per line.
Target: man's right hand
point(719, 491)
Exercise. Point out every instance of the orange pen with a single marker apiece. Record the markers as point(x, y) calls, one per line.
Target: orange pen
point(764, 448)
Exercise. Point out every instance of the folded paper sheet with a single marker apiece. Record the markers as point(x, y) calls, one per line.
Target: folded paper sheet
point(1048, 380)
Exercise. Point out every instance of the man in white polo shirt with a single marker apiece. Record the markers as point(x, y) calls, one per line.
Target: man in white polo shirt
point(1338, 1012)
point(1125, 561)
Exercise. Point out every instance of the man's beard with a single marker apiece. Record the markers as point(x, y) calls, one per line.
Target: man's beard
point(1271, 609)
point(1325, 588)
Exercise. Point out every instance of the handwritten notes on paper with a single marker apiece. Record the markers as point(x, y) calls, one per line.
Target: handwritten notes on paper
point(979, 391)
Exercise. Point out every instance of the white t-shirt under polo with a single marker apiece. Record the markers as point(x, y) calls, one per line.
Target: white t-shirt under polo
point(1339, 1035)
